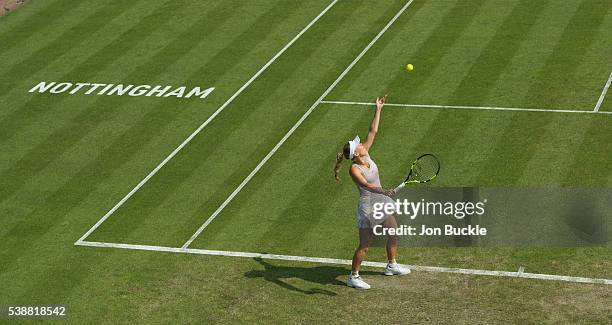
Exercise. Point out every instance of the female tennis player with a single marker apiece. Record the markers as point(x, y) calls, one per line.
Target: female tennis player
point(364, 173)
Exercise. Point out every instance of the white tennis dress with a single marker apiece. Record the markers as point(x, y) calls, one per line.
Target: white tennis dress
point(367, 199)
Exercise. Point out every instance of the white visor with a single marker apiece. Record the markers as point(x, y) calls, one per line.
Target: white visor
point(353, 145)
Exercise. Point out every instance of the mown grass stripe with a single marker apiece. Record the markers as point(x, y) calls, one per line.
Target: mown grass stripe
point(588, 161)
point(310, 45)
point(564, 136)
point(193, 134)
point(315, 204)
point(250, 191)
point(490, 127)
point(578, 37)
point(308, 205)
point(83, 182)
point(59, 45)
point(485, 72)
point(372, 60)
point(535, 49)
point(524, 132)
point(63, 139)
point(438, 132)
point(99, 60)
point(319, 214)
point(255, 42)
point(498, 52)
point(295, 126)
point(88, 121)
point(149, 197)
point(72, 57)
point(19, 28)
point(440, 41)
point(125, 286)
point(58, 141)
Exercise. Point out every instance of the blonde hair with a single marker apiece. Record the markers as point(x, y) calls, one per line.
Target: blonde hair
point(340, 156)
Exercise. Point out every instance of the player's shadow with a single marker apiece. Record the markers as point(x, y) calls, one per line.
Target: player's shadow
point(319, 274)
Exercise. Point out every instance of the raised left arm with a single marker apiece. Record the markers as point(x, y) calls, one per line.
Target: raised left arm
point(380, 102)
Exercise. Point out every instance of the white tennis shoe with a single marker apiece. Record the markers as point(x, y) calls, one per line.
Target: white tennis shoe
point(396, 269)
point(356, 282)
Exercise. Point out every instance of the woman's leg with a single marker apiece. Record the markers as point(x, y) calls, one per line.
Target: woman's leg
point(391, 240)
point(365, 238)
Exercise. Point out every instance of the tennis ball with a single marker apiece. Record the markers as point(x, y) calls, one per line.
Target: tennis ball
point(409, 67)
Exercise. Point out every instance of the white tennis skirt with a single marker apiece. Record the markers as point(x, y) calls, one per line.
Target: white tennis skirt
point(367, 217)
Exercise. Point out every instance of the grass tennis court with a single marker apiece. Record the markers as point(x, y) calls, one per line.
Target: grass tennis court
point(263, 169)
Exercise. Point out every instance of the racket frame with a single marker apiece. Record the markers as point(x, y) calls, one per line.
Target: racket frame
point(415, 181)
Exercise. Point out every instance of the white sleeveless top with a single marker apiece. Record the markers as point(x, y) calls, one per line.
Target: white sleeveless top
point(371, 176)
point(367, 199)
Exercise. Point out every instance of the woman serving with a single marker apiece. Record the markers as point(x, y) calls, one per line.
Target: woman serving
point(364, 173)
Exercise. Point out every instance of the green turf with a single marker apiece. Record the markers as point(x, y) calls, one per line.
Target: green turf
point(68, 159)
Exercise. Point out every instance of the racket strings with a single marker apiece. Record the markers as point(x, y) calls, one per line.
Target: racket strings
point(426, 168)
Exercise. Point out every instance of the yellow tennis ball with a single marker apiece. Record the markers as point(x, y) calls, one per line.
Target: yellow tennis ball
point(409, 67)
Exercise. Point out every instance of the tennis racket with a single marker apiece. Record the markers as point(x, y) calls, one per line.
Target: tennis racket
point(424, 169)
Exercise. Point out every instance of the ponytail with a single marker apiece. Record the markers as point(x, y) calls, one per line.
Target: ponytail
point(344, 154)
point(339, 159)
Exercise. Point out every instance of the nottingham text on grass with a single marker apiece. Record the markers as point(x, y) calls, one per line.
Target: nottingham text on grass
point(119, 89)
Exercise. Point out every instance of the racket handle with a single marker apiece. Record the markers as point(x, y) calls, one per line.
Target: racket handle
point(400, 187)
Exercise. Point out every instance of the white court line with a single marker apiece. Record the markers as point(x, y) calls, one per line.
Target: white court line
point(519, 274)
point(295, 126)
point(603, 94)
point(468, 107)
point(203, 125)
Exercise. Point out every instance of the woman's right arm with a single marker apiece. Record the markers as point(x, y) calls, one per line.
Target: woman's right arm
point(380, 102)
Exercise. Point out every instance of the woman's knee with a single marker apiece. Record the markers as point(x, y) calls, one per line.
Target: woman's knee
point(363, 248)
point(392, 239)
